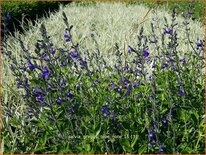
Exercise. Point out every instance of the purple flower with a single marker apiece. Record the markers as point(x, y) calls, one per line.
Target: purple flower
point(170, 59)
point(67, 36)
point(151, 134)
point(59, 100)
point(152, 41)
point(105, 111)
point(45, 73)
point(150, 77)
point(74, 55)
point(151, 143)
point(173, 67)
point(117, 89)
point(164, 65)
point(30, 65)
point(8, 114)
point(111, 84)
point(24, 68)
point(78, 86)
point(18, 84)
point(94, 83)
point(115, 67)
point(164, 121)
point(135, 84)
point(40, 96)
point(8, 16)
point(45, 57)
point(69, 95)
point(128, 90)
point(43, 103)
point(199, 44)
point(52, 50)
point(130, 49)
point(63, 83)
point(190, 12)
point(118, 125)
point(75, 105)
point(167, 30)
point(126, 81)
point(181, 91)
point(161, 149)
point(153, 65)
point(83, 63)
point(183, 61)
point(146, 52)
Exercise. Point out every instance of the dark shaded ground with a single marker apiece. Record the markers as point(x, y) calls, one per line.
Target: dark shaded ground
point(13, 13)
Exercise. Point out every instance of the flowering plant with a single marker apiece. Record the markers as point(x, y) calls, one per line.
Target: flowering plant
point(77, 103)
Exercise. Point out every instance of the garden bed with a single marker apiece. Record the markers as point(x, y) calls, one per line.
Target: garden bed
point(105, 79)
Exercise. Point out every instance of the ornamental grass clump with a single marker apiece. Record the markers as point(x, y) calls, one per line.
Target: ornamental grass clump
point(76, 102)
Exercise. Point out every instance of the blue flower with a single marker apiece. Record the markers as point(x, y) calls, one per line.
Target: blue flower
point(63, 83)
point(115, 67)
point(164, 121)
point(105, 111)
point(173, 67)
point(130, 49)
point(83, 63)
point(146, 52)
point(75, 105)
point(128, 90)
point(135, 84)
point(117, 89)
point(111, 84)
point(8, 16)
point(183, 61)
point(67, 36)
point(45, 73)
point(30, 65)
point(74, 55)
point(94, 83)
point(152, 41)
point(190, 12)
point(59, 100)
point(43, 103)
point(161, 149)
point(151, 134)
point(118, 125)
point(150, 77)
point(164, 65)
point(153, 65)
point(78, 86)
point(126, 81)
point(199, 44)
point(167, 30)
point(24, 68)
point(151, 143)
point(181, 91)
point(40, 96)
point(69, 95)
point(45, 57)
point(52, 50)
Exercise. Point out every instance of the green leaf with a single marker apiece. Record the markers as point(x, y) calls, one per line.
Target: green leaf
point(97, 130)
point(126, 125)
point(142, 149)
point(134, 141)
point(126, 145)
point(87, 147)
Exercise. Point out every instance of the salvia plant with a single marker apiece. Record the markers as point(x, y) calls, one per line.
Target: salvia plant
point(77, 103)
